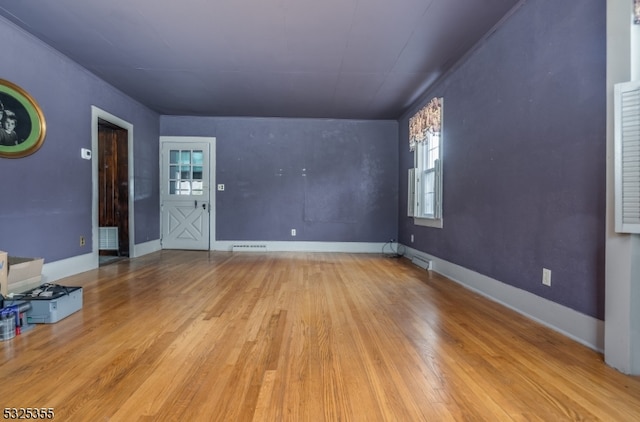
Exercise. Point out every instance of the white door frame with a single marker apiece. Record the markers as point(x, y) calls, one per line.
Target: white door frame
point(97, 113)
point(212, 179)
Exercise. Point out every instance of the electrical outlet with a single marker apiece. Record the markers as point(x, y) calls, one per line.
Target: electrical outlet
point(411, 238)
point(293, 232)
point(221, 187)
point(82, 241)
point(546, 277)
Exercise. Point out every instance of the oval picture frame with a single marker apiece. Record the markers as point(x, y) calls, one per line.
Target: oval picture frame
point(22, 124)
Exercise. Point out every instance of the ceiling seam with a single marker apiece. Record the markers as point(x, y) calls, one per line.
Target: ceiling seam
point(386, 75)
point(346, 47)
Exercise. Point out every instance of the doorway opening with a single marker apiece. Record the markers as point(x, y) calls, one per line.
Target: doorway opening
point(113, 192)
point(112, 145)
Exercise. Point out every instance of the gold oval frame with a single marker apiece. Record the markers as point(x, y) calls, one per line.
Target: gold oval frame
point(16, 96)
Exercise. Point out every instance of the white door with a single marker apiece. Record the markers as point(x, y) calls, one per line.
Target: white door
point(185, 193)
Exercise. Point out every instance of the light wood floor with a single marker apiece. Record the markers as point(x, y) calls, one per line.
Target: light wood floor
point(191, 336)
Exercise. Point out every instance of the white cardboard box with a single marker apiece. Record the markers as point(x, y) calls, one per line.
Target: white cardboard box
point(19, 274)
point(4, 267)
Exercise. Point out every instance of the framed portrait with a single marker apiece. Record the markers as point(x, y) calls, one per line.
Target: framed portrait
point(22, 124)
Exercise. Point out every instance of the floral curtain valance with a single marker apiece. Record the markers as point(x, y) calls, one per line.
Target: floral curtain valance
point(427, 120)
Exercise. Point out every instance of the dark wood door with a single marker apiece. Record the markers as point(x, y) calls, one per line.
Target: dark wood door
point(113, 184)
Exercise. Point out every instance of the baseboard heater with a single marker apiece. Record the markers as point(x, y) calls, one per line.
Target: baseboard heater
point(421, 262)
point(248, 247)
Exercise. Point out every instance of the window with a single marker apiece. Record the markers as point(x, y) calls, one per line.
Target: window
point(425, 179)
point(185, 172)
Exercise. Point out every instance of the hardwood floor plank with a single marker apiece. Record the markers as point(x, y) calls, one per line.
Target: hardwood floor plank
point(218, 336)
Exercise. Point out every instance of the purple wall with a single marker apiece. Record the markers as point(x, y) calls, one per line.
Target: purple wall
point(524, 161)
point(331, 180)
point(45, 198)
point(524, 156)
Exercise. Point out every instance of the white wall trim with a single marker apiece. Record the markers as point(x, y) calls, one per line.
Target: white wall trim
point(287, 246)
point(146, 248)
point(57, 270)
point(78, 264)
point(63, 268)
point(582, 328)
point(635, 52)
point(622, 283)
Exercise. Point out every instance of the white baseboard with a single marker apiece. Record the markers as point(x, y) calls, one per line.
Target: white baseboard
point(582, 328)
point(346, 247)
point(57, 270)
point(146, 248)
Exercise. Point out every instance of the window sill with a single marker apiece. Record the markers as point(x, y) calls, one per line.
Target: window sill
point(428, 222)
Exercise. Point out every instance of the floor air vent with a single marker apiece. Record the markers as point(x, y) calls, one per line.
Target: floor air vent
point(108, 238)
point(248, 247)
point(422, 262)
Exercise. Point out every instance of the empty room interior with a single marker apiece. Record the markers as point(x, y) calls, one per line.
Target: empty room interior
point(288, 210)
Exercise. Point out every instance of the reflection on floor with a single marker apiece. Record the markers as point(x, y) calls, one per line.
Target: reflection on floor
point(110, 259)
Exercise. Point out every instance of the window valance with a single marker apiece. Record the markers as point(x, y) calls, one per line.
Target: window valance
point(427, 120)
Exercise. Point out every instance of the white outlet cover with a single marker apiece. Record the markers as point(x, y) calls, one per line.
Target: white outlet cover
point(546, 277)
point(221, 187)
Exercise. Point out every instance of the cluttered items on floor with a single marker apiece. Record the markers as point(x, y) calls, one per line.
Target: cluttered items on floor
point(46, 304)
point(50, 302)
point(24, 301)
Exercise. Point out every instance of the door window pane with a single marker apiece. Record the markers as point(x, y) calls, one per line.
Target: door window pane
point(197, 173)
point(186, 172)
point(196, 188)
point(185, 188)
point(198, 158)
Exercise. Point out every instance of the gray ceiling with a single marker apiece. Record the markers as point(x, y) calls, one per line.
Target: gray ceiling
point(353, 59)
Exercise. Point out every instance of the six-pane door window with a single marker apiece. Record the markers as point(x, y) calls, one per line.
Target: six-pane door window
point(185, 172)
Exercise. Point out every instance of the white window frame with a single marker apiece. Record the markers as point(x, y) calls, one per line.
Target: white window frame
point(424, 168)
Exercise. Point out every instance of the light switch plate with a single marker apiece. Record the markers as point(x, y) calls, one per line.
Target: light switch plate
point(546, 277)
